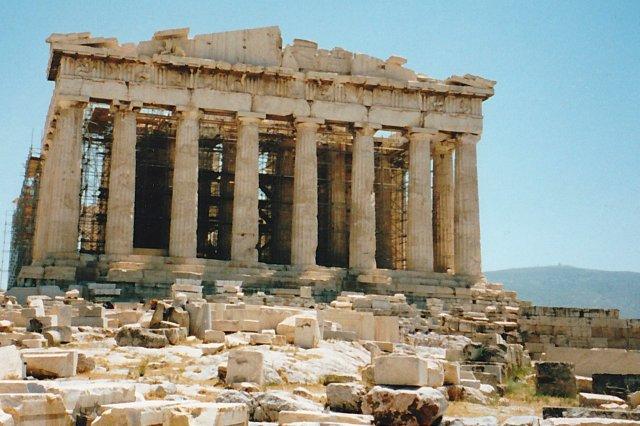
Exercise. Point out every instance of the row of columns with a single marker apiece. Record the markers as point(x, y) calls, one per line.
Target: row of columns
point(441, 235)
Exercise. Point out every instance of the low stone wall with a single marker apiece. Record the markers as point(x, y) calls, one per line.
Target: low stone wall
point(543, 327)
point(594, 361)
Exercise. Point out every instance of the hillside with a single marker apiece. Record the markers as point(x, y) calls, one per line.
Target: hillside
point(569, 286)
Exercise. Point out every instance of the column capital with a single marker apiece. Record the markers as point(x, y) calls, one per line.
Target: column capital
point(125, 106)
point(66, 102)
point(249, 118)
point(308, 122)
point(421, 133)
point(467, 138)
point(189, 113)
point(444, 147)
point(365, 128)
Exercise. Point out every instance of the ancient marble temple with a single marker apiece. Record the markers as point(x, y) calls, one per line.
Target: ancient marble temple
point(229, 156)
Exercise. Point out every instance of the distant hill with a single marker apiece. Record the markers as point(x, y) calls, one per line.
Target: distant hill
point(569, 286)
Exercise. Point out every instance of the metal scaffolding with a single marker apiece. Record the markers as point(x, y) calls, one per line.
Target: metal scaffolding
point(24, 218)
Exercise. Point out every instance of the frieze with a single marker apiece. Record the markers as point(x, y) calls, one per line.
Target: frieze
point(239, 79)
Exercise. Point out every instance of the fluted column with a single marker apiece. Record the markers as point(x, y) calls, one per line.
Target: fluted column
point(419, 229)
point(466, 209)
point(443, 254)
point(184, 198)
point(122, 183)
point(362, 221)
point(245, 233)
point(304, 223)
point(59, 205)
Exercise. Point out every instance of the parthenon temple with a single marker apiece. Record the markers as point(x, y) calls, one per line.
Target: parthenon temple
point(229, 156)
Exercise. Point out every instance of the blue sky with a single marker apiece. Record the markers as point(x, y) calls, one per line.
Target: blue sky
point(559, 160)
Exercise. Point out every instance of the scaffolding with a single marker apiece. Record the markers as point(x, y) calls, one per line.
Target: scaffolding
point(97, 137)
point(24, 218)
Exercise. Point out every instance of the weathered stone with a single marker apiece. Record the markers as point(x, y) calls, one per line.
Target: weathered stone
point(12, 366)
point(269, 404)
point(245, 366)
point(306, 333)
point(423, 406)
point(345, 397)
point(596, 400)
point(407, 370)
point(129, 335)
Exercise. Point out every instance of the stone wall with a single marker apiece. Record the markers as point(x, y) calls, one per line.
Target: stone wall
point(543, 327)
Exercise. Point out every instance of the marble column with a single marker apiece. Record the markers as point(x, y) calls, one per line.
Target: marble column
point(245, 233)
point(59, 206)
point(443, 254)
point(304, 223)
point(466, 210)
point(362, 220)
point(419, 228)
point(122, 183)
point(184, 198)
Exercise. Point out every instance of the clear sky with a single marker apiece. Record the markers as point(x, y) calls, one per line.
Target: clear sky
point(559, 160)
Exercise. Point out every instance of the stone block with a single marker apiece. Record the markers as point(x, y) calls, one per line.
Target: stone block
point(387, 329)
point(596, 400)
point(51, 364)
point(451, 373)
point(91, 311)
point(227, 326)
point(98, 322)
point(306, 333)
point(245, 366)
point(12, 366)
point(345, 397)
point(35, 409)
point(423, 406)
point(214, 336)
point(407, 370)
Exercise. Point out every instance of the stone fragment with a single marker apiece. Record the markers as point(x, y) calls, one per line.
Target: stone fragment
point(214, 336)
point(308, 418)
point(35, 409)
point(85, 363)
point(596, 400)
point(131, 335)
point(245, 366)
point(522, 421)
point(51, 364)
point(270, 404)
point(556, 379)
point(633, 399)
point(345, 397)
point(212, 348)
point(306, 333)
point(12, 366)
point(404, 407)
point(584, 384)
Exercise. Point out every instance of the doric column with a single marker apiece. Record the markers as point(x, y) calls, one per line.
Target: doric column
point(443, 254)
point(59, 205)
point(362, 223)
point(245, 234)
point(419, 229)
point(122, 183)
point(304, 223)
point(466, 210)
point(184, 198)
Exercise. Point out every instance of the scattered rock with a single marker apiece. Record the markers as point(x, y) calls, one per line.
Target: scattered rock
point(136, 336)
